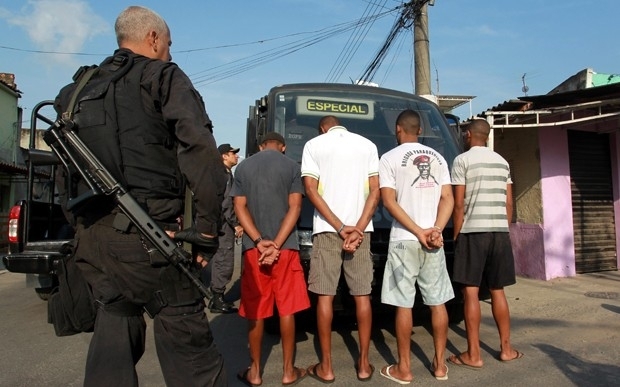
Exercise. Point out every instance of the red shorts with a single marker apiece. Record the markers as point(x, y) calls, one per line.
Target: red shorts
point(282, 283)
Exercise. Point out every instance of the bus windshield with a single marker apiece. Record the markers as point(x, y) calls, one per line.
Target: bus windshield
point(370, 112)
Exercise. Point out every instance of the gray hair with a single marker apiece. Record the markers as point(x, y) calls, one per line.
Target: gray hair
point(135, 22)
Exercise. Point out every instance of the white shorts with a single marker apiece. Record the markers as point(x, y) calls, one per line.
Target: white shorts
point(407, 263)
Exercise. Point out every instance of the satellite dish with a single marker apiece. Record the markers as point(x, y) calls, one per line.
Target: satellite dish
point(524, 89)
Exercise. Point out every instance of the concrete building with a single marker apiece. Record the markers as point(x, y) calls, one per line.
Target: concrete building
point(10, 168)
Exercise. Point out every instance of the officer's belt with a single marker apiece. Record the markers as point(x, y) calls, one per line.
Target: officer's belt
point(120, 308)
point(120, 222)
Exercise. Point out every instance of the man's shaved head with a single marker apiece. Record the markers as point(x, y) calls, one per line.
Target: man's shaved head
point(479, 128)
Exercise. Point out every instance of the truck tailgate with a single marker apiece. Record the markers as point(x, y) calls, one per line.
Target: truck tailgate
point(31, 262)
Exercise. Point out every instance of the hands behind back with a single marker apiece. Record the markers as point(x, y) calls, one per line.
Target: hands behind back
point(353, 238)
point(269, 252)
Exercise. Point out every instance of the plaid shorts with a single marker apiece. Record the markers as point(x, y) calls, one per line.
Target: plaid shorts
point(328, 260)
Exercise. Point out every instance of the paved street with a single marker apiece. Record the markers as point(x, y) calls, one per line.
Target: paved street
point(569, 330)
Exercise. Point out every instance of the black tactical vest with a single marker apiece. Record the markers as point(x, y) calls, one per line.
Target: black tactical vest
point(119, 119)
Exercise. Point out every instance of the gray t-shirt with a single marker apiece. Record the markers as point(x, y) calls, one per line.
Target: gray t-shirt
point(266, 179)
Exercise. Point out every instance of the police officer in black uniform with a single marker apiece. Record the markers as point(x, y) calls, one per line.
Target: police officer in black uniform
point(162, 142)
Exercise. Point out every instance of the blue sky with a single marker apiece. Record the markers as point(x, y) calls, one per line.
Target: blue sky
point(229, 49)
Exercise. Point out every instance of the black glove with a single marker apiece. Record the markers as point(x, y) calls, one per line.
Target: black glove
point(190, 235)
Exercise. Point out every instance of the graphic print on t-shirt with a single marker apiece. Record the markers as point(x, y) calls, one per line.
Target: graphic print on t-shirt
point(425, 178)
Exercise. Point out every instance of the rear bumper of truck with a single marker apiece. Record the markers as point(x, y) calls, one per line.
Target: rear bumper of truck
point(32, 262)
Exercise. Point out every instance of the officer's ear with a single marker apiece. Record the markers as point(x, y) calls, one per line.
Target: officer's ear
point(151, 39)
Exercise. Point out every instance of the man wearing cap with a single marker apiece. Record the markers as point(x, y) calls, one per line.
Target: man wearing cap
point(267, 193)
point(223, 262)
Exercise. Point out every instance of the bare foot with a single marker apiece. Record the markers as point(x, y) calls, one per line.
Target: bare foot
point(394, 373)
point(247, 378)
point(440, 372)
point(464, 360)
point(294, 377)
point(512, 355)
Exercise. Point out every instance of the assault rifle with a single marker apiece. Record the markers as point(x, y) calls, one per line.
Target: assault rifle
point(74, 154)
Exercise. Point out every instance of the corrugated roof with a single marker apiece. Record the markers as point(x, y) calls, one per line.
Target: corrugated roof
point(591, 94)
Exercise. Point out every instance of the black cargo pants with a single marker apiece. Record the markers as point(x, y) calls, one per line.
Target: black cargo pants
point(118, 269)
point(223, 262)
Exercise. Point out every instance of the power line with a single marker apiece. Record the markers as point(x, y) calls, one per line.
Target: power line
point(404, 21)
point(217, 73)
point(227, 70)
point(49, 52)
point(353, 43)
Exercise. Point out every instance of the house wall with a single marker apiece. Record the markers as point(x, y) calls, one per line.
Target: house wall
point(8, 123)
point(559, 243)
point(9, 117)
point(521, 149)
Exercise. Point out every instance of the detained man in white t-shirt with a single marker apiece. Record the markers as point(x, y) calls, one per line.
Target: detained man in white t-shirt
point(340, 175)
point(416, 190)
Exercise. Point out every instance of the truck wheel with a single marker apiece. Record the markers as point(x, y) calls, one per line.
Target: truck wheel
point(43, 293)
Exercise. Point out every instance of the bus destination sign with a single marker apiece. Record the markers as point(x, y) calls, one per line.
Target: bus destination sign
point(360, 109)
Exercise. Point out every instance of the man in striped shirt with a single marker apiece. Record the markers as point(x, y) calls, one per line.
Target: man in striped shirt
point(483, 253)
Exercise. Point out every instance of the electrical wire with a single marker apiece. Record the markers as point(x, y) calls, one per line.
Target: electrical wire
point(218, 73)
point(390, 67)
point(404, 21)
point(353, 43)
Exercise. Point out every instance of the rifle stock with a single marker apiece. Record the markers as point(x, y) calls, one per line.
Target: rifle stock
point(75, 155)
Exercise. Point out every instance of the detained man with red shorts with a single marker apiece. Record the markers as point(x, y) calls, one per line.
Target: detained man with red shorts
point(267, 193)
point(281, 283)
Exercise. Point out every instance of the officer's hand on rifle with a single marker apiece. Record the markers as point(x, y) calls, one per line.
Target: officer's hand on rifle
point(190, 235)
point(202, 245)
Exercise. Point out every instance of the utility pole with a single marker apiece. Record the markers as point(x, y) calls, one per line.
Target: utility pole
point(421, 52)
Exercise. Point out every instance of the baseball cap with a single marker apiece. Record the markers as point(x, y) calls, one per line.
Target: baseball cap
point(225, 148)
point(273, 136)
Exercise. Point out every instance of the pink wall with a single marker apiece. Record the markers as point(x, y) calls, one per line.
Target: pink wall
point(528, 249)
point(559, 243)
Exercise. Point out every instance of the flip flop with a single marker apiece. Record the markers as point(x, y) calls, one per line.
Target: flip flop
point(243, 378)
point(311, 371)
point(457, 361)
point(367, 378)
point(519, 355)
point(300, 373)
point(445, 377)
point(386, 374)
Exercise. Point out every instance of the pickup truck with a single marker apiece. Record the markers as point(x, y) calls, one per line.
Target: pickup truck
point(37, 226)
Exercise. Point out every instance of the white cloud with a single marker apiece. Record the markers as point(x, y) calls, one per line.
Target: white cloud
point(486, 30)
point(59, 25)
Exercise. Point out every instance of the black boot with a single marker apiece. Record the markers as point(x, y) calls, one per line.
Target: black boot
point(218, 305)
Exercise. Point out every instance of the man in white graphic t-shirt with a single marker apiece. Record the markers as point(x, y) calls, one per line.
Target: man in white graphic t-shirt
point(416, 191)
